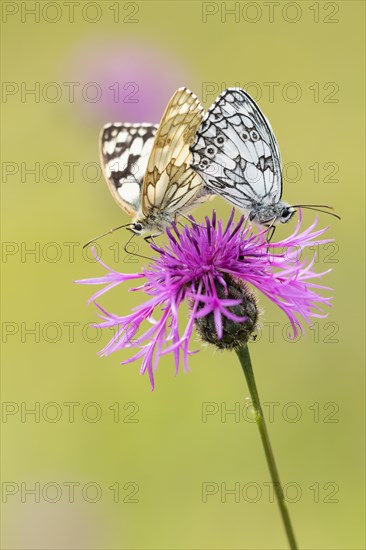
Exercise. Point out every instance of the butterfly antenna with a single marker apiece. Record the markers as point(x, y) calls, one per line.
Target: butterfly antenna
point(318, 208)
point(104, 234)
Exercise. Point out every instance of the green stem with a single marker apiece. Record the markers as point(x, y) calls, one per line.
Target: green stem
point(244, 358)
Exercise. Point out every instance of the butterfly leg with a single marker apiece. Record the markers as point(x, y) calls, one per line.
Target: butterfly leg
point(150, 238)
point(271, 230)
point(245, 223)
point(129, 242)
point(188, 219)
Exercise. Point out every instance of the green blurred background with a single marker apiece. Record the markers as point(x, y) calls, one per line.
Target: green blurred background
point(159, 448)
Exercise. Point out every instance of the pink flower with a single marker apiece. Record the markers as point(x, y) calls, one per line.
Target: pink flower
point(122, 79)
point(198, 265)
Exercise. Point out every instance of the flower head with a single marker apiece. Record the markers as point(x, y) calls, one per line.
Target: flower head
point(210, 267)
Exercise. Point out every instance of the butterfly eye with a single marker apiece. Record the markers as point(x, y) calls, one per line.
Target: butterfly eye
point(138, 227)
point(211, 151)
point(245, 136)
point(286, 214)
point(219, 140)
point(254, 135)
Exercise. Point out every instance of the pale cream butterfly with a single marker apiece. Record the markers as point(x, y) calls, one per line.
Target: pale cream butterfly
point(147, 167)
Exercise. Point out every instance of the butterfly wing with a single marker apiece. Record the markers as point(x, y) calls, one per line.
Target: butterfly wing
point(236, 152)
point(125, 150)
point(170, 184)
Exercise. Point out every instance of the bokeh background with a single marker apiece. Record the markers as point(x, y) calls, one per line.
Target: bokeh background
point(129, 469)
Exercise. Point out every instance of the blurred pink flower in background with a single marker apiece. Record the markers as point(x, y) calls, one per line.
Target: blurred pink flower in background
point(124, 80)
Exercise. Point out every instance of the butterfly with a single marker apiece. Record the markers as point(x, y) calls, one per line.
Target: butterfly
point(147, 167)
point(237, 155)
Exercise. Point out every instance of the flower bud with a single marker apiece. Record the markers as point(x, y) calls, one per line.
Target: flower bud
point(234, 333)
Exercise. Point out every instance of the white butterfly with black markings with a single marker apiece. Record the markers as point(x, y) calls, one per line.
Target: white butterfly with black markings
point(147, 167)
point(237, 155)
